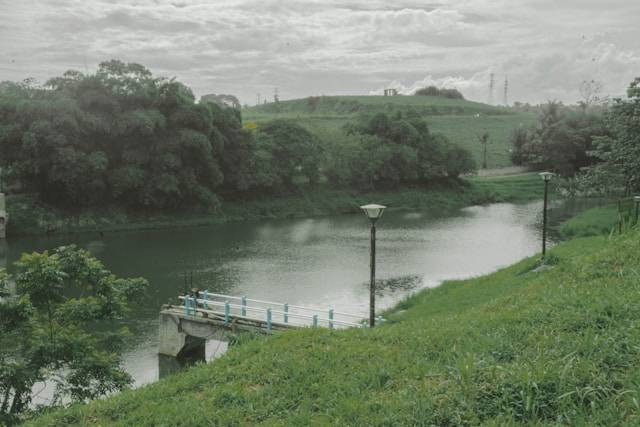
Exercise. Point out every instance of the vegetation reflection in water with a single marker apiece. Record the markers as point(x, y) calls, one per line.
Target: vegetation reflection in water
point(320, 262)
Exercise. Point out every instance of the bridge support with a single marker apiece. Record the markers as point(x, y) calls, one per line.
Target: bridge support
point(184, 336)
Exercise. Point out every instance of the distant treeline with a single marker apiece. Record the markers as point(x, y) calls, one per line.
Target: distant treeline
point(444, 92)
point(122, 136)
point(596, 145)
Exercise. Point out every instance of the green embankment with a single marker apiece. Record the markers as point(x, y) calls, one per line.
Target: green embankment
point(460, 120)
point(26, 216)
point(602, 220)
point(592, 222)
point(523, 345)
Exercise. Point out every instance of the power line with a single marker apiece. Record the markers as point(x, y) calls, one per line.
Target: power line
point(492, 82)
point(506, 90)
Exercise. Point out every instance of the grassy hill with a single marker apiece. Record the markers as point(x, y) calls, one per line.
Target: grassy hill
point(529, 345)
point(460, 120)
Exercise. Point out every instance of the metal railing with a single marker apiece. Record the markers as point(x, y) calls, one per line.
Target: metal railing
point(291, 315)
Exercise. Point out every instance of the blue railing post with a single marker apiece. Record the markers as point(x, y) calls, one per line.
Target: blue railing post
point(315, 320)
point(206, 299)
point(286, 313)
point(244, 306)
point(269, 319)
point(227, 311)
point(330, 318)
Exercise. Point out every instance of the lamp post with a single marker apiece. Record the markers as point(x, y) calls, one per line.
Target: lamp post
point(373, 212)
point(546, 177)
point(636, 199)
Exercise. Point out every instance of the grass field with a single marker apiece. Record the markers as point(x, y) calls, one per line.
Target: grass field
point(559, 345)
point(513, 188)
point(461, 121)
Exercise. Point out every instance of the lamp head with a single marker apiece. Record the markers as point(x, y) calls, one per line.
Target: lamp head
point(373, 211)
point(546, 176)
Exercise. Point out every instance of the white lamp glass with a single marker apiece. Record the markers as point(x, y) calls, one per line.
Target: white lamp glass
point(546, 175)
point(373, 211)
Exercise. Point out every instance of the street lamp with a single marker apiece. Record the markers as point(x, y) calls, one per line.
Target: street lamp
point(637, 200)
point(546, 177)
point(373, 212)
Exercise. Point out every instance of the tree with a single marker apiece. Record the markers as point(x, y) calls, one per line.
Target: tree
point(288, 151)
point(49, 328)
point(444, 92)
point(484, 140)
point(121, 136)
point(562, 141)
point(459, 161)
point(619, 151)
point(591, 93)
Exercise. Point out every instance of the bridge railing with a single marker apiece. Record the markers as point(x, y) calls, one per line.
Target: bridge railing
point(279, 313)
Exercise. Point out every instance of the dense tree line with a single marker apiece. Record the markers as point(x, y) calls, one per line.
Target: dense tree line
point(389, 151)
point(435, 91)
point(598, 146)
point(618, 151)
point(122, 136)
point(562, 140)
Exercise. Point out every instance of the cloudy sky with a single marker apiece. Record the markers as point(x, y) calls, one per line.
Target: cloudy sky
point(245, 47)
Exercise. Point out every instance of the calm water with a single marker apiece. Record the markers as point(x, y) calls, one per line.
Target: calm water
point(320, 262)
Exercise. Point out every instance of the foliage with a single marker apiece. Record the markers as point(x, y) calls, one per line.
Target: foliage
point(389, 151)
point(619, 151)
point(49, 328)
point(434, 91)
point(559, 346)
point(562, 141)
point(286, 151)
point(120, 136)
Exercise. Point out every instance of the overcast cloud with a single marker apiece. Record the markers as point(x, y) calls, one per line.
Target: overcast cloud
point(244, 47)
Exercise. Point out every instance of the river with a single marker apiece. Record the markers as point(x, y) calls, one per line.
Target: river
point(319, 262)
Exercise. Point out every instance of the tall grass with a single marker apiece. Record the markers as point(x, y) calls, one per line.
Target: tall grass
point(520, 346)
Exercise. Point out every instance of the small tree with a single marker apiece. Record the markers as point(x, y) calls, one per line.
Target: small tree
point(51, 330)
point(459, 161)
point(484, 140)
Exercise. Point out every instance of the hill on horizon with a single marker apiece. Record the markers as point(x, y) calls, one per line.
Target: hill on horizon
point(462, 121)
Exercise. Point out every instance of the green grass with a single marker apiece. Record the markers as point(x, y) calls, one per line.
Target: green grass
point(602, 220)
point(513, 188)
point(559, 345)
point(454, 118)
point(30, 217)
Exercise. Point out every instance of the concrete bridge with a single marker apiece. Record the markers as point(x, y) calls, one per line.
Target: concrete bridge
point(184, 329)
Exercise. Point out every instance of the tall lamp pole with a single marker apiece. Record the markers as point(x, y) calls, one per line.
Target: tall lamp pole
point(546, 177)
point(373, 212)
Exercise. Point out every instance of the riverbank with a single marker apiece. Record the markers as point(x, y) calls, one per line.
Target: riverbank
point(558, 344)
point(27, 216)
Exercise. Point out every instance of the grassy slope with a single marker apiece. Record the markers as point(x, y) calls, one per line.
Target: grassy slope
point(454, 118)
point(29, 217)
point(592, 222)
point(561, 345)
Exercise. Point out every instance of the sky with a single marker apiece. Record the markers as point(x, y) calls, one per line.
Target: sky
point(545, 48)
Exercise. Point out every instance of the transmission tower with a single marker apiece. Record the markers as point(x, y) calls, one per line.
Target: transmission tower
point(506, 91)
point(492, 83)
point(275, 95)
point(258, 98)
